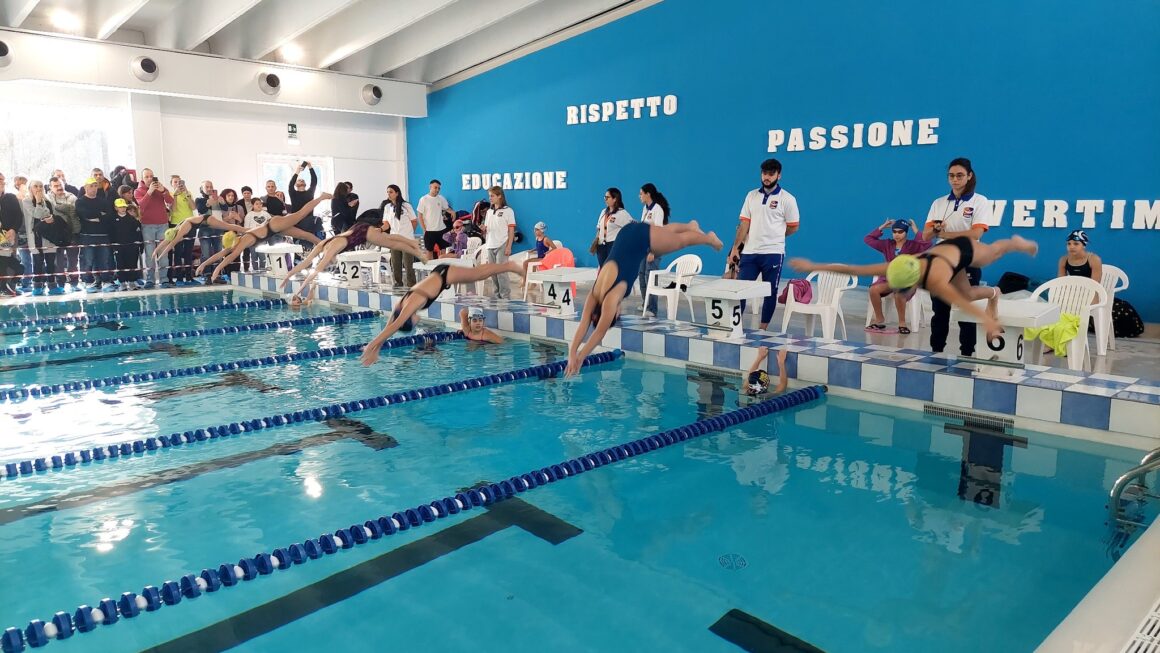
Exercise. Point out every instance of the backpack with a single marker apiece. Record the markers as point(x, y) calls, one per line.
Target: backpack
point(1013, 282)
point(1126, 322)
point(803, 292)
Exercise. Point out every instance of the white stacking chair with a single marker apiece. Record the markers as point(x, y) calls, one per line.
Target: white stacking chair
point(828, 288)
point(1075, 295)
point(532, 267)
point(683, 269)
point(913, 308)
point(1102, 313)
point(478, 255)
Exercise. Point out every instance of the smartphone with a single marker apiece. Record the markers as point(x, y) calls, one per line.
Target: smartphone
point(305, 164)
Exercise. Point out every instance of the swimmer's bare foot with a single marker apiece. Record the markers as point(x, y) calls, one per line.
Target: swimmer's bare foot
point(715, 243)
point(1019, 243)
point(326, 196)
point(517, 268)
point(696, 227)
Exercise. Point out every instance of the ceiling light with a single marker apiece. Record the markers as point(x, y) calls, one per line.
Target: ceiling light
point(292, 53)
point(66, 21)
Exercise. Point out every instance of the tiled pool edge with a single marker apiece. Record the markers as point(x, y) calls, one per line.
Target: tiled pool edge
point(871, 372)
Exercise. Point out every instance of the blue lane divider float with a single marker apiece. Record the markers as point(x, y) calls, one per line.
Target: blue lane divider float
point(126, 315)
point(109, 611)
point(72, 459)
point(340, 318)
point(18, 394)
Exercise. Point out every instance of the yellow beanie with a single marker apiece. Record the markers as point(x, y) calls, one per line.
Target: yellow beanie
point(902, 271)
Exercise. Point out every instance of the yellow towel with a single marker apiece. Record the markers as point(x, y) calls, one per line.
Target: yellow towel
point(1056, 336)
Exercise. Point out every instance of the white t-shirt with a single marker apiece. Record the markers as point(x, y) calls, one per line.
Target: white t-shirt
point(256, 219)
point(402, 225)
point(496, 223)
point(431, 212)
point(653, 215)
point(960, 214)
point(768, 214)
point(609, 226)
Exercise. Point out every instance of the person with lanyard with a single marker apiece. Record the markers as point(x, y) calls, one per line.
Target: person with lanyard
point(656, 213)
point(768, 216)
point(897, 245)
point(612, 219)
point(1079, 262)
point(433, 211)
point(961, 213)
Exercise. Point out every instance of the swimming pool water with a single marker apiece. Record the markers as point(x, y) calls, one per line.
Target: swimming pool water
point(855, 527)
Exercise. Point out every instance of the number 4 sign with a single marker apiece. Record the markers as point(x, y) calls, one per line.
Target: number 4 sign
point(560, 297)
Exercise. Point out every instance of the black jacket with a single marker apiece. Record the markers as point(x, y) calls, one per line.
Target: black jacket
point(11, 213)
point(274, 206)
point(96, 215)
point(126, 230)
point(299, 198)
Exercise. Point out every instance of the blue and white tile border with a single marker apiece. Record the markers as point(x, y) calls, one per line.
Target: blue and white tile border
point(1059, 400)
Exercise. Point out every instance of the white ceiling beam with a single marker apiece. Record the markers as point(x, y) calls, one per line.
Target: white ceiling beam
point(361, 26)
point(16, 11)
point(431, 34)
point(272, 24)
point(195, 21)
point(538, 22)
point(103, 17)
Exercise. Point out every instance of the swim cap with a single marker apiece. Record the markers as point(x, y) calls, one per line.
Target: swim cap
point(120, 203)
point(902, 271)
point(1079, 236)
point(758, 382)
point(229, 239)
point(540, 226)
point(171, 233)
point(900, 225)
point(475, 313)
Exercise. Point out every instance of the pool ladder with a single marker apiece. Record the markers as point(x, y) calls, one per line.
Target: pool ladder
point(1131, 483)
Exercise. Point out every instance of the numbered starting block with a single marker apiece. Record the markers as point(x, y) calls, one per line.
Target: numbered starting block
point(1008, 351)
point(723, 299)
point(359, 267)
point(560, 287)
point(279, 258)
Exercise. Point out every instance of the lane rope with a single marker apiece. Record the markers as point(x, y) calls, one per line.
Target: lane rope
point(190, 586)
point(83, 318)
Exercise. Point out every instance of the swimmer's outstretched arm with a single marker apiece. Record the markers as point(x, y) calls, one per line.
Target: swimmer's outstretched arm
point(411, 305)
point(305, 262)
point(577, 352)
point(805, 265)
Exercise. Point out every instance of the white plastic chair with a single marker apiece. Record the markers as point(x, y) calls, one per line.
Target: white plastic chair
point(684, 268)
point(1105, 334)
point(828, 288)
point(913, 309)
point(532, 267)
point(1074, 295)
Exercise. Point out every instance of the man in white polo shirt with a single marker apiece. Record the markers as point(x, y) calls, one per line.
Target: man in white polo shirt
point(768, 215)
point(432, 208)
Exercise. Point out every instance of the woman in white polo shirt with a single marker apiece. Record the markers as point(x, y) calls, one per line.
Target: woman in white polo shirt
point(609, 224)
point(500, 225)
point(656, 213)
point(400, 216)
point(961, 213)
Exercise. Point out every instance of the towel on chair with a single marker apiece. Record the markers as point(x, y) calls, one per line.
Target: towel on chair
point(1055, 336)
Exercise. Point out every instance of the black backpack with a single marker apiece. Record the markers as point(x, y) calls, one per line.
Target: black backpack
point(1126, 322)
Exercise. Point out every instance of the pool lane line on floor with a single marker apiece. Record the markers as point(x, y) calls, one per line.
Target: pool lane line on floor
point(71, 459)
point(126, 315)
point(341, 318)
point(109, 611)
point(17, 394)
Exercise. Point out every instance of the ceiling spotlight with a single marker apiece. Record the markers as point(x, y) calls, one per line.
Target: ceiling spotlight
point(292, 53)
point(65, 20)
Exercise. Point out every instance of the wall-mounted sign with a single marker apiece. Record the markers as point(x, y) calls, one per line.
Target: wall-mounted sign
point(1145, 214)
point(898, 133)
point(546, 180)
point(631, 109)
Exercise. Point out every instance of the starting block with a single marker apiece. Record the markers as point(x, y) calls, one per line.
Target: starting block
point(279, 258)
point(360, 267)
point(558, 283)
point(723, 299)
point(1007, 350)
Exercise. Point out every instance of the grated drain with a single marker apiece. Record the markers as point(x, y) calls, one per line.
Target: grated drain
point(970, 418)
point(1147, 636)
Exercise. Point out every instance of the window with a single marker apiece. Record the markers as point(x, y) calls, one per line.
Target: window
point(37, 138)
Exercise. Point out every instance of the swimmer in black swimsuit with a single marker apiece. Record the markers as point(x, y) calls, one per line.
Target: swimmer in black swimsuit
point(364, 231)
point(424, 293)
point(175, 235)
point(632, 245)
point(941, 271)
point(277, 225)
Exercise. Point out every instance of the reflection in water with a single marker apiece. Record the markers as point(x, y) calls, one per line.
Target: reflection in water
point(707, 389)
point(981, 467)
point(111, 532)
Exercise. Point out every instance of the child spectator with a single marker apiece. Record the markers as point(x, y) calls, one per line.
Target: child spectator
point(898, 244)
point(256, 217)
point(127, 248)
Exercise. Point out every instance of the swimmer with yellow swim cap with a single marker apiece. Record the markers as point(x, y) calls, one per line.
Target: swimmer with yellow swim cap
point(941, 271)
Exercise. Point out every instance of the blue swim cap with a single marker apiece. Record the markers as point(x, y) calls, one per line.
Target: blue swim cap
point(900, 225)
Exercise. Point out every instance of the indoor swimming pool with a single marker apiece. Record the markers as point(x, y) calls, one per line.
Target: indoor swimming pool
point(822, 521)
